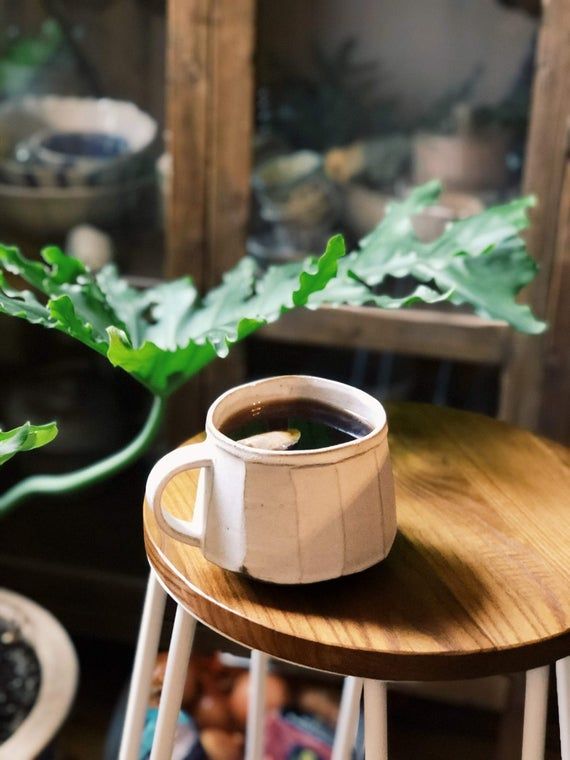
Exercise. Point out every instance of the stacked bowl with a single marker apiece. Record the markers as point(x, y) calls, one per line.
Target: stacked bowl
point(68, 160)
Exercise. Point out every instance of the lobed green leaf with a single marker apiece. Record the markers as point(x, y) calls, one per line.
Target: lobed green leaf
point(165, 334)
point(25, 438)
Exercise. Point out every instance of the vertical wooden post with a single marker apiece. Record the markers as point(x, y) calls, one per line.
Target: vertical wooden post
point(554, 419)
point(210, 117)
point(186, 118)
point(526, 380)
point(209, 114)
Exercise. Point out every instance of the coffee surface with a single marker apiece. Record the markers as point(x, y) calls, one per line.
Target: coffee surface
point(319, 424)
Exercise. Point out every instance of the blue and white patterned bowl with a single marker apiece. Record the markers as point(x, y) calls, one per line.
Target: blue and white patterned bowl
point(56, 141)
point(68, 148)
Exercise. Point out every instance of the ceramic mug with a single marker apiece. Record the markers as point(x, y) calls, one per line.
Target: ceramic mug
point(286, 516)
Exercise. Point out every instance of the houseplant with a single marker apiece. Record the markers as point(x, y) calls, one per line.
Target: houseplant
point(38, 666)
point(164, 335)
point(39, 672)
point(25, 438)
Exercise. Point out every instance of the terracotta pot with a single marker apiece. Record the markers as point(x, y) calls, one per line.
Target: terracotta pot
point(451, 206)
point(364, 208)
point(465, 162)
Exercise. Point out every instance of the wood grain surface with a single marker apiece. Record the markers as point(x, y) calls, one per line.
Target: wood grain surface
point(477, 583)
point(210, 122)
point(210, 105)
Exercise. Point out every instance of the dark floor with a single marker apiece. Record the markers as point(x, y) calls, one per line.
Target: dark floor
point(419, 728)
point(104, 671)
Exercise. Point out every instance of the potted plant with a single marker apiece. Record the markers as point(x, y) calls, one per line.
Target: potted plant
point(473, 148)
point(38, 666)
point(165, 335)
point(468, 158)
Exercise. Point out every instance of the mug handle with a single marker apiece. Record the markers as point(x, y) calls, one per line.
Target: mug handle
point(185, 458)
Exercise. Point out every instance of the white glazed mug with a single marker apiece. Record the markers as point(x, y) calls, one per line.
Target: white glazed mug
point(286, 516)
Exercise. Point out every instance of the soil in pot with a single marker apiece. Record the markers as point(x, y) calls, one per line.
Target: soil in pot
point(20, 678)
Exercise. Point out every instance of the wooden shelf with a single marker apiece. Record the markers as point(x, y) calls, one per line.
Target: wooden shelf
point(430, 333)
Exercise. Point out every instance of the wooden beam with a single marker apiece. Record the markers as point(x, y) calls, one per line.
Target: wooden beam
point(186, 113)
point(431, 333)
point(231, 127)
point(545, 171)
point(210, 117)
point(210, 121)
point(555, 398)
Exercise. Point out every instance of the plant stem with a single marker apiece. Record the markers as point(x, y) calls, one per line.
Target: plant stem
point(93, 473)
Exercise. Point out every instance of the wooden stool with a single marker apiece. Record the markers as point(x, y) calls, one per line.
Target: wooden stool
point(477, 583)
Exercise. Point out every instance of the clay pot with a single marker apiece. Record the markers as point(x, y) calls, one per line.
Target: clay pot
point(468, 162)
point(364, 208)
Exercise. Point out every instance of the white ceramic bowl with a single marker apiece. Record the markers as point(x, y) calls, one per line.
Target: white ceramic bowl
point(21, 119)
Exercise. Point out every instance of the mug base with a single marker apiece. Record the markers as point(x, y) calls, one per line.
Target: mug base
point(313, 579)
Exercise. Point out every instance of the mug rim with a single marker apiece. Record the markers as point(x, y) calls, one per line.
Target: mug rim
point(379, 428)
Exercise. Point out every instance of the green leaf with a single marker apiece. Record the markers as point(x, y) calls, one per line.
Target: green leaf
point(481, 261)
point(222, 309)
point(25, 438)
point(163, 335)
point(355, 293)
point(75, 302)
point(22, 304)
point(156, 314)
point(319, 275)
point(490, 282)
point(219, 321)
point(391, 248)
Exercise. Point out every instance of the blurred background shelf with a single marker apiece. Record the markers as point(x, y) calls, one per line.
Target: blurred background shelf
point(425, 332)
point(210, 116)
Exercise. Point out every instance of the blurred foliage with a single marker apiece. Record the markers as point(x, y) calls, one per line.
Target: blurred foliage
point(334, 106)
point(21, 57)
point(164, 335)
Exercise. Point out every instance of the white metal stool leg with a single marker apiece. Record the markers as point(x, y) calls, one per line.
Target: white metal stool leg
point(535, 704)
point(174, 679)
point(145, 657)
point(256, 706)
point(375, 720)
point(347, 725)
point(563, 689)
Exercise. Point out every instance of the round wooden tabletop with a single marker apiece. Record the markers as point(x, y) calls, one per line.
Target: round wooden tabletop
point(477, 583)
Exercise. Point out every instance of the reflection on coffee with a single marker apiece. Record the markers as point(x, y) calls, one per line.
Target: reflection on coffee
point(320, 425)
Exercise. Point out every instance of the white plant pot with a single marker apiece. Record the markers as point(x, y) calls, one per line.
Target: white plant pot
point(59, 673)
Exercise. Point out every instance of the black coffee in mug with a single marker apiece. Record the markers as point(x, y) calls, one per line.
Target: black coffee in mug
point(319, 424)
